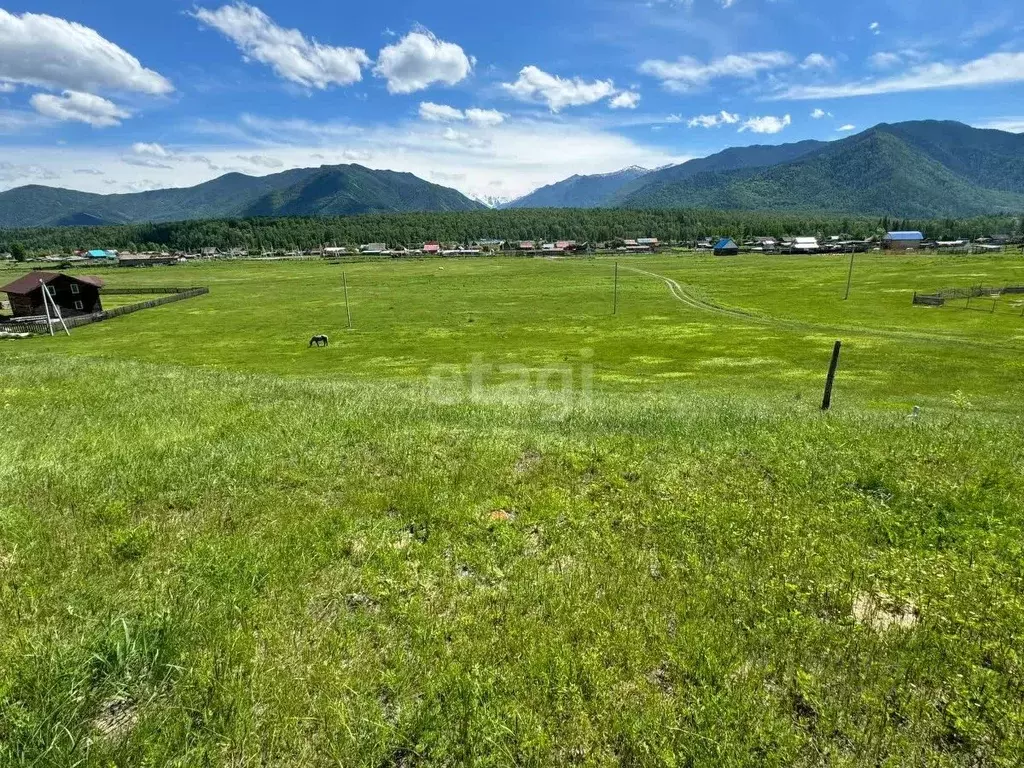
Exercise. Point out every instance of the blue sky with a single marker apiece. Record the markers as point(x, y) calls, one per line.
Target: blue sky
point(491, 98)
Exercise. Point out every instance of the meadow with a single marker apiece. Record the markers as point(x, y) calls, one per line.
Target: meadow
point(497, 524)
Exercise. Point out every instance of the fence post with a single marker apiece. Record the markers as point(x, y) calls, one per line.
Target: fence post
point(826, 402)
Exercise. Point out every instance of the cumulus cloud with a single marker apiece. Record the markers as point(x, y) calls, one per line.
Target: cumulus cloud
point(149, 150)
point(49, 52)
point(557, 92)
point(6, 87)
point(818, 61)
point(625, 100)
point(875, 28)
point(687, 73)
point(485, 116)
point(994, 69)
point(820, 113)
point(442, 113)
point(766, 124)
point(287, 51)
point(81, 107)
point(419, 60)
point(713, 121)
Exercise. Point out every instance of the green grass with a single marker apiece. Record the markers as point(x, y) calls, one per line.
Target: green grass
point(259, 553)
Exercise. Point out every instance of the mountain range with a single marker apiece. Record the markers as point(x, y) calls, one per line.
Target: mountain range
point(921, 169)
point(326, 191)
point(913, 169)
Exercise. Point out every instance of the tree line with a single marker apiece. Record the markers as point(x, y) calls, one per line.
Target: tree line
point(584, 225)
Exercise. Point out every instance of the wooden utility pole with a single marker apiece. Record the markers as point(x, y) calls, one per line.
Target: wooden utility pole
point(348, 311)
point(615, 291)
point(849, 277)
point(826, 402)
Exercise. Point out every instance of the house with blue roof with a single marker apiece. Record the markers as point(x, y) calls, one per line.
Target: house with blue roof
point(101, 254)
point(726, 247)
point(902, 241)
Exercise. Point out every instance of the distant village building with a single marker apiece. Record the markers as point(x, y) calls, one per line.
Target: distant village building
point(902, 241)
point(805, 245)
point(101, 254)
point(147, 260)
point(373, 249)
point(726, 247)
point(432, 247)
point(74, 295)
point(527, 245)
point(334, 250)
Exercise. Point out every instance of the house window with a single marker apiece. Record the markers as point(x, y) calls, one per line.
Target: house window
point(75, 289)
point(52, 290)
point(79, 305)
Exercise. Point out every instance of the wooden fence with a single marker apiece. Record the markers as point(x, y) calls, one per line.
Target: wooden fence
point(939, 298)
point(173, 294)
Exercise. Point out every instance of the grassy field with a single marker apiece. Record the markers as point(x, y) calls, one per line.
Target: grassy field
point(496, 524)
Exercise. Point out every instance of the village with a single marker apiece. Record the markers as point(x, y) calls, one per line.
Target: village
point(718, 245)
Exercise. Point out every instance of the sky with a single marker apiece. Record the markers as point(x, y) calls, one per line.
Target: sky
point(493, 99)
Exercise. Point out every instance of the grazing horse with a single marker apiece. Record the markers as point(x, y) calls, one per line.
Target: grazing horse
point(320, 341)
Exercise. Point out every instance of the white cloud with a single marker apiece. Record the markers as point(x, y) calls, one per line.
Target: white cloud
point(847, 128)
point(875, 28)
point(625, 100)
point(440, 113)
point(6, 87)
point(149, 150)
point(766, 124)
point(81, 107)
point(996, 68)
point(485, 117)
point(884, 60)
point(1008, 124)
point(687, 73)
point(287, 51)
point(419, 60)
point(537, 85)
point(674, 118)
point(264, 161)
point(819, 113)
point(818, 61)
point(49, 52)
point(713, 121)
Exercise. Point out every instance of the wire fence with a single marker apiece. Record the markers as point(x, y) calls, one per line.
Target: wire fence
point(939, 298)
point(173, 295)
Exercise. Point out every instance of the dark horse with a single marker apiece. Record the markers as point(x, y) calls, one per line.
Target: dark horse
point(320, 341)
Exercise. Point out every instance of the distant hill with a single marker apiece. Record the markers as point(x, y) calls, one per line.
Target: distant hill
point(924, 169)
point(919, 169)
point(328, 190)
point(581, 191)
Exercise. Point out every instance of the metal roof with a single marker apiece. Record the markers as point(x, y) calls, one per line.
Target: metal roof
point(725, 243)
point(904, 236)
point(30, 282)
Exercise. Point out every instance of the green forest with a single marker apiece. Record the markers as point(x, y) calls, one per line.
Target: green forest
point(584, 225)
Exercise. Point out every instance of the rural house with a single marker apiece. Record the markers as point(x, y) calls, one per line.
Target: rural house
point(74, 295)
point(101, 254)
point(902, 241)
point(726, 247)
point(805, 245)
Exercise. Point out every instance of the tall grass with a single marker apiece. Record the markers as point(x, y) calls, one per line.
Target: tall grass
point(227, 568)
